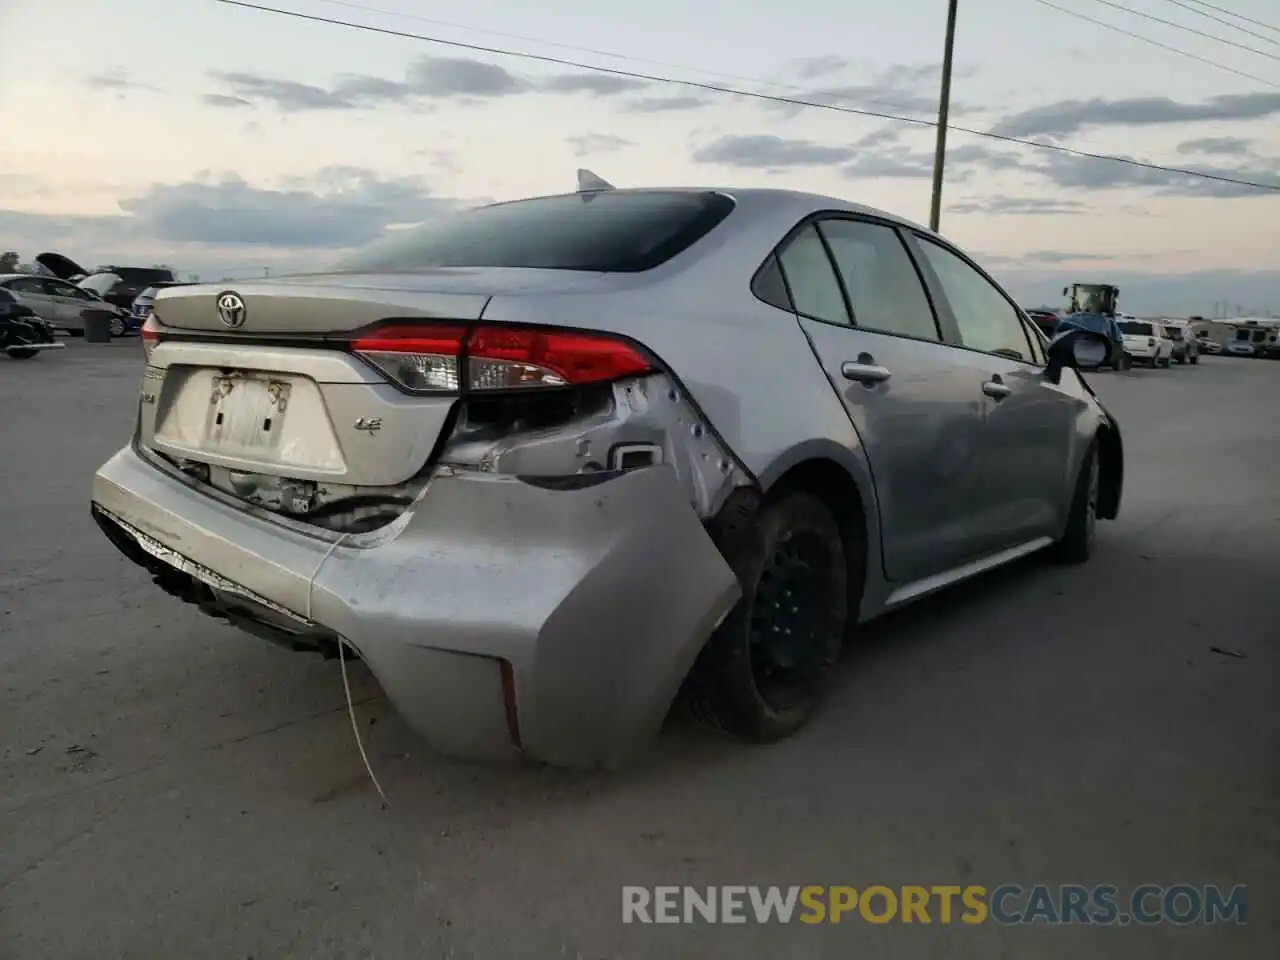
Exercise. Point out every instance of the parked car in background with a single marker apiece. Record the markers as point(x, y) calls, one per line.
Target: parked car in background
point(1185, 347)
point(122, 285)
point(142, 305)
point(1207, 344)
point(23, 333)
point(64, 304)
point(1242, 345)
point(1046, 320)
point(1146, 341)
point(1255, 338)
point(542, 463)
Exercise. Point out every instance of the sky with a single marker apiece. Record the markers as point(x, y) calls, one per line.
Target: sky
point(231, 142)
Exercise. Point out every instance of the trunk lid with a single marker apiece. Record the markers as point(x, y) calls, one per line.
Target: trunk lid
point(62, 267)
point(339, 303)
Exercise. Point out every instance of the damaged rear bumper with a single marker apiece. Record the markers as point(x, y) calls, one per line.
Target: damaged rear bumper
point(501, 616)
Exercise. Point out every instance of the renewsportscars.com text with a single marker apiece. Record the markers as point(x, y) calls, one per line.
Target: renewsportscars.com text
point(1007, 904)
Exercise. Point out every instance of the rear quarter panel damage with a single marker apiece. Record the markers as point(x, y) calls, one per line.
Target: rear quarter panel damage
point(599, 597)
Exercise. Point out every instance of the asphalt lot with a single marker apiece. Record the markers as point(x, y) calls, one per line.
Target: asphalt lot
point(172, 788)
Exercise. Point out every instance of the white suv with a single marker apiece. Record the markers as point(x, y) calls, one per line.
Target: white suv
point(1146, 341)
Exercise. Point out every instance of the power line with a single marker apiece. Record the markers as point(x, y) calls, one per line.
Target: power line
point(749, 94)
point(1238, 16)
point(1186, 29)
point(1138, 36)
point(611, 54)
point(1226, 23)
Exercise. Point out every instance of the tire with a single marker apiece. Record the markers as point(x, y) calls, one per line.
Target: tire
point(22, 354)
point(791, 545)
point(117, 327)
point(1076, 543)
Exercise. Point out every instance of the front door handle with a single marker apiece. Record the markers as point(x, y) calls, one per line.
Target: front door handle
point(996, 390)
point(867, 373)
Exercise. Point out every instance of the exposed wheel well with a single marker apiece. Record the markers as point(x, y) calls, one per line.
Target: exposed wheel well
point(831, 483)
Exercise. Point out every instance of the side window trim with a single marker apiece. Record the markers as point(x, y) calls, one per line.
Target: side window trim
point(918, 238)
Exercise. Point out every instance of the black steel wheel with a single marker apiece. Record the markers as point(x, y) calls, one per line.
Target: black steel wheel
point(1077, 542)
point(762, 673)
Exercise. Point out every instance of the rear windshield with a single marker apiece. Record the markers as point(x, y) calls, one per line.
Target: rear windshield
point(1135, 328)
point(610, 231)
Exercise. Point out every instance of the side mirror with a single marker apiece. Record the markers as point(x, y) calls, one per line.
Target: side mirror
point(1065, 291)
point(1078, 349)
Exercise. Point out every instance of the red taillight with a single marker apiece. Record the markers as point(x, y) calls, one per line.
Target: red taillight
point(150, 334)
point(502, 357)
point(497, 357)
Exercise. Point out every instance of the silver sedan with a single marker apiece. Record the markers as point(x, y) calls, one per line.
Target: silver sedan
point(545, 463)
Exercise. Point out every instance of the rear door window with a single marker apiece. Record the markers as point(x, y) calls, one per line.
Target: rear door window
point(610, 231)
point(885, 291)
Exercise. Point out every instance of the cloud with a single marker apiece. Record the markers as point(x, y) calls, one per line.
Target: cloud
point(1219, 146)
point(225, 100)
point(767, 152)
point(1084, 173)
point(876, 155)
point(285, 94)
point(665, 104)
point(461, 79)
point(429, 78)
point(334, 208)
point(900, 163)
point(811, 68)
point(119, 81)
point(977, 154)
point(597, 143)
point(1022, 206)
point(1060, 256)
point(344, 207)
point(600, 84)
point(1071, 116)
point(445, 77)
point(903, 89)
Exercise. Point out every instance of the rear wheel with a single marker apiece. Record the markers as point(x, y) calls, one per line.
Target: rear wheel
point(22, 354)
point(762, 672)
point(1076, 543)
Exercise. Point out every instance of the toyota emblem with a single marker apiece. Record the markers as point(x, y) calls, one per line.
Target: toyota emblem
point(231, 309)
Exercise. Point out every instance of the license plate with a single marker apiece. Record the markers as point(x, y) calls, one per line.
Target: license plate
point(246, 414)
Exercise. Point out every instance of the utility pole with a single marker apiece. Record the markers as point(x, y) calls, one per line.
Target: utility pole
point(944, 109)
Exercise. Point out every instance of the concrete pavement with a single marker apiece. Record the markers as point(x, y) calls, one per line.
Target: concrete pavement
point(172, 788)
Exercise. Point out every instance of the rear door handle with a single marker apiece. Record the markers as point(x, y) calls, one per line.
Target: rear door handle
point(867, 373)
point(996, 390)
